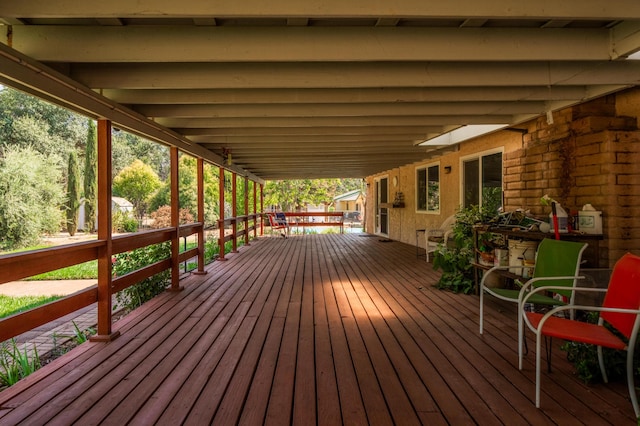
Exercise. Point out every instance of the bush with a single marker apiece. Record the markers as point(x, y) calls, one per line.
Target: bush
point(123, 222)
point(32, 197)
point(134, 296)
point(162, 217)
point(455, 261)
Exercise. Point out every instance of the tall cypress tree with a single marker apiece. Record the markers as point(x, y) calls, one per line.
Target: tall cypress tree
point(73, 194)
point(90, 178)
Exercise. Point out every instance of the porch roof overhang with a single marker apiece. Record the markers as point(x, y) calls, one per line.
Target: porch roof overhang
point(304, 90)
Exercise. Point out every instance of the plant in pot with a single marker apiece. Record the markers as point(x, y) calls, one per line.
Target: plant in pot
point(455, 261)
point(485, 249)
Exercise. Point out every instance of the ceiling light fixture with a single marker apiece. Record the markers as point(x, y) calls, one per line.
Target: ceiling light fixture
point(462, 134)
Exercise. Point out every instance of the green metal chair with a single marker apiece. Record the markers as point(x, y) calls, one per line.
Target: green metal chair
point(557, 264)
point(620, 309)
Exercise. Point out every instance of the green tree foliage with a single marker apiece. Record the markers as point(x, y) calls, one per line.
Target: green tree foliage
point(136, 183)
point(290, 195)
point(32, 194)
point(126, 148)
point(91, 178)
point(73, 194)
point(47, 128)
point(188, 190)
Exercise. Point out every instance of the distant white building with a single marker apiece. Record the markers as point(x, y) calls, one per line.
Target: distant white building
point(117, 204)
point(352, 201)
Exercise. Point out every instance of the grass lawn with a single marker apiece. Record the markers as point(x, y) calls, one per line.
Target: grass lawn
point(12, 305)
point(82, 271)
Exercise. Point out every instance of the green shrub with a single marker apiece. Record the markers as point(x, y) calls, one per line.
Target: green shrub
point(123, 222)
point(15, 365)
point(455, 259)
point(137, 294)
point(32, 197)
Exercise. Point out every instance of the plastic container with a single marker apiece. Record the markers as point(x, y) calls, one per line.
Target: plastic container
point(501, 257)
point(520, 251)
point(563, 220)
point(590, 222)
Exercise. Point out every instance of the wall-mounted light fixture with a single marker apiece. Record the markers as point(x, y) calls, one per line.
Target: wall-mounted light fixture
point(447, 169)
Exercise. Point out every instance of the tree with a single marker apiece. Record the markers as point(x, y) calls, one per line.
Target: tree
point(292, 194)
point(90, 178)
point(27, 120)
point(136, 183)
point(73, 194)
point(32, 197)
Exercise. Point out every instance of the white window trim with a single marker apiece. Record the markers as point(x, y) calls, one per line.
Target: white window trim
point(426, 166)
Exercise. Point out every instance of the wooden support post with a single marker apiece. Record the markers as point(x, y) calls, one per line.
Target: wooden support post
point(221, 215)
point(255, 211)
point(175, 222)
point(246, 211)
point(261, 209)
point(234, 211)
point(104, 334)
point(200, 177)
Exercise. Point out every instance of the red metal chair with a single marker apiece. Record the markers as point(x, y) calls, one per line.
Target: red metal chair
point(279, 221)
point(620, 309)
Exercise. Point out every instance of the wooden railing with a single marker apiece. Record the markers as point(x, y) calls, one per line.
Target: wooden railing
point(251, 223)
point(307, 219)
point(25, 264)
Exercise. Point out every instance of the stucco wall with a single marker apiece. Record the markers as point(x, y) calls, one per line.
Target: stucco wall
point(588, 154)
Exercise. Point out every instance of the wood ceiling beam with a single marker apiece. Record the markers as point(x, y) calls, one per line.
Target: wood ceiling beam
point(316, 132)
point(341, 110)
point(157, 44)
point(347, 95)
point(354, 75)
point(306, 122)
point(574, 9)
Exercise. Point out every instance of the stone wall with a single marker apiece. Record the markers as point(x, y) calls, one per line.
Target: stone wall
point(587, 155)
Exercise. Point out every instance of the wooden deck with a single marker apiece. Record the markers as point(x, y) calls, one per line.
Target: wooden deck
point(315, 329)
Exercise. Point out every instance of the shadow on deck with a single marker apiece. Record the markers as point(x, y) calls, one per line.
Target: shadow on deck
point(326, 329)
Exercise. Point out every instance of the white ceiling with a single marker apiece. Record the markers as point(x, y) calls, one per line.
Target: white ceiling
point(317, 89)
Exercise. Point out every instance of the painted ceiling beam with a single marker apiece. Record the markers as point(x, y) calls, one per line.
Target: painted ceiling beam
point(348, 95)
point(220, 125)
point(354, 75)
point(157, 43)
point(573, 9)
point(342, 110)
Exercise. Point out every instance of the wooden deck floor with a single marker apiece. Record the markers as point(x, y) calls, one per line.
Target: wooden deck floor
point(316, 329)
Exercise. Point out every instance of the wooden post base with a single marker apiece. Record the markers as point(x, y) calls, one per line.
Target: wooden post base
point(105, 338)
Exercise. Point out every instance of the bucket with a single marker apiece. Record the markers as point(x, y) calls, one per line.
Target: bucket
point(590, 222)
point(501, 257)
point(519, 251)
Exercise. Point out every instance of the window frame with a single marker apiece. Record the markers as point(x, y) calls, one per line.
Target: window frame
point(480, 156)
point(425, 168)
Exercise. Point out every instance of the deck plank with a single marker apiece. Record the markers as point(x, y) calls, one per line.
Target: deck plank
point(325, 329)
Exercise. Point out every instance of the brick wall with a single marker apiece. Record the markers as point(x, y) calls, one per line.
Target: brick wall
point(587, 155)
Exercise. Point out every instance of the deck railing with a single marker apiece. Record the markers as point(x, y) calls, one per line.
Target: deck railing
point(26, 264)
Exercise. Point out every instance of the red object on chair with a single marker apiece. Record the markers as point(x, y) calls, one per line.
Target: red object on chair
point(621, 309)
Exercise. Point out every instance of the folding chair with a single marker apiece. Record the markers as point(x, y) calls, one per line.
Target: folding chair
point(620, 309)
point(557, 263)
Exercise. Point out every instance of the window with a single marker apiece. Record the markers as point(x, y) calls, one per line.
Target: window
point(428, 188)
point(482, 181)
